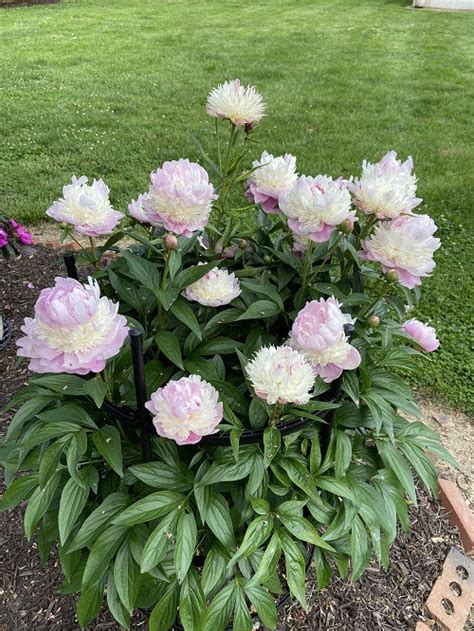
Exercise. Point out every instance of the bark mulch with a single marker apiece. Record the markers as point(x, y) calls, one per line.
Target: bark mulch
point(29, 601)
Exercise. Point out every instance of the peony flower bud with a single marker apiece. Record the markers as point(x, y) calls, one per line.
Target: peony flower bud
point(171, 242)
point(373, 321)
point(392, 276)
point(347, 226)
point(267, 259)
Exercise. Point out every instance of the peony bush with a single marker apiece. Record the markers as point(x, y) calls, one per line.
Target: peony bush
point(273, 308)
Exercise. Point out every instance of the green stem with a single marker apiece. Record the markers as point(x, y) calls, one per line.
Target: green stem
point(370, 222)
point(368, 310)
point(218, 141)
point(276, 413)
point(95, 258)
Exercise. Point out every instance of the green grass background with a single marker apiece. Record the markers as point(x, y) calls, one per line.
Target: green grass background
point(113, 87)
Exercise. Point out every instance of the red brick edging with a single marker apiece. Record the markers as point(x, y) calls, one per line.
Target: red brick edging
point(460, 515)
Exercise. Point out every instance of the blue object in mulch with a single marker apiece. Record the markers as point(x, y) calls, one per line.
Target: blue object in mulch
point(7, 333)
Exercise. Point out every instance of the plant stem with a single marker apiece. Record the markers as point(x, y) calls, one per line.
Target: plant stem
point(276, 413)
point(94, 258)
point(370, 222)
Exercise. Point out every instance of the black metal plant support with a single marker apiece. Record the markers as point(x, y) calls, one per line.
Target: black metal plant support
point(70, 262)
point(143, 417)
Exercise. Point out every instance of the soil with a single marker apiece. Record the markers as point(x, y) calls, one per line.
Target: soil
point(382, 600)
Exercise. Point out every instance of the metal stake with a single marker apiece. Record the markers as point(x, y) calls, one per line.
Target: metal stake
point(70, 262)
point(135, 336)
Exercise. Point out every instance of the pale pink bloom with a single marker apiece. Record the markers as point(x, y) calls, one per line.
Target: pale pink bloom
point(86, 207)
point(3, 238)
point(216, 288)
point(406, 245)
point(180, 197)
point(74, 330)
point(423, 334)
point(234, 102)
point(315, 206)
point(271, 178)
point(386, 189)
point(136, 210)
point(186, 410)
point(318, 333)
point(281, 375)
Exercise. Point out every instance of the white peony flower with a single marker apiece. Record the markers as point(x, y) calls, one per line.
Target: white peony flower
point(386, 189)
point(316, 205)
point(86, 207)
point(271, 177)
point(281, 375)
point(215, 289)
point(239, 104)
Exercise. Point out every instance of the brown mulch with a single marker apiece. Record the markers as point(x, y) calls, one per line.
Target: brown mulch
point(29, 601)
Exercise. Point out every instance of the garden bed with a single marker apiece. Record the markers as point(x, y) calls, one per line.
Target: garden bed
point(379, 600)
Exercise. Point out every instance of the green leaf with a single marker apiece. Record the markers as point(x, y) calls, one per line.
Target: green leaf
point(214, 568)
point(323, 569)
point(264, 605)
point(166, 298)
point(268, 563)
point(191, 274)
point(260, 309)
point(256, 534)
point(228, 472)
point(39, 503)
point(150, 507)
point(242, 620)
point(96, 389)
point(114, 603)
point(219, 520)
point(342, 454)
point(258, 413)
point(360, 554)
point(49, 461)
point(168, 344)
point(72, 502)
point(398, 464)
point(302, 529)
point(160, 475)
point(62, 384)
point(99, 518)
point(27, 411)
point(186, 541)
point(18, 491)
point(174, 263)
point(192, 604)
point(295, 569)
point(182, 310)
point(218, 612)
point(126, 576)
point(142, 270)
point(164, 612)
point(90, 603)
point(108, 443)
point(102, 552)
point(71, 413)
point(260, 506)
point(271, 444)
point(218, 346)
point(158, 543)
point(76, 448)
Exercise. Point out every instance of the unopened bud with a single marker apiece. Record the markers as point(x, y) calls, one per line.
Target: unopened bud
point(267, 259)
point(171, 242)
point(374, 321)
point(243, 244)
point(392, 276)
point(347, 226)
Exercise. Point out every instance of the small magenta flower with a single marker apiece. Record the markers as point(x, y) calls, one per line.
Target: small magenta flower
point(216, 288)
point(23, 235)
point(271, 178)
point(423, 334)
point(136, 210)
point(318, 333)
point(405, 245)
point(386, 189)
point(186, 410)
point(86, 207)
point(180, 197)
point(315, 206)
point(3, 238)
point(74, 330)
point(234, 102)
point(281, 375)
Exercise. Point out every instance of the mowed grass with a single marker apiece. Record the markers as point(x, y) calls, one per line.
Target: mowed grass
point(112, 88)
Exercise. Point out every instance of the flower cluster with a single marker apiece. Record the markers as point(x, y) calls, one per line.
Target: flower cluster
point(13, 233)
point(74, 330)
point(318, 333)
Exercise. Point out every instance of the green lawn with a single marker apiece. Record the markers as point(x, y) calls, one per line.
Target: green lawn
point(113, 87)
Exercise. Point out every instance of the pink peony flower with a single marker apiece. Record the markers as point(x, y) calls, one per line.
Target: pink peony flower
point(23, 235)
point(423, 334)
point(406, 245)
point(215, 289)
point(186, 410)
point(386, 189)
point(74, 330)
point(281, 375)
point(316, 205)
point(234, 102)
point(3, 238)
point(318, 333)
point(136, 210)
point(86, 207)
point(271, 178)
point(180, 197)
